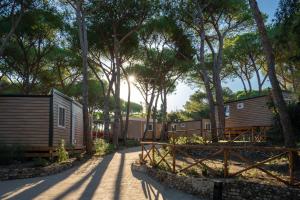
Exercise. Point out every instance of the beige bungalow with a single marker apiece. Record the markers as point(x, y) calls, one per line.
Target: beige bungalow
point(137, 126)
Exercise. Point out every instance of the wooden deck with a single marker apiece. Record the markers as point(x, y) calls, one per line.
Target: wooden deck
point(48, 151)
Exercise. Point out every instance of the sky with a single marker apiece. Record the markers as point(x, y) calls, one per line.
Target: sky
point(183, 90)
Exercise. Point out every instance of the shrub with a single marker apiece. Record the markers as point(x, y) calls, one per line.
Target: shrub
point(40, 162)
point(193, 139)
point(102, 147)
point(62, 153)
point(196, 139)
point(11, 153)
point(78, 156)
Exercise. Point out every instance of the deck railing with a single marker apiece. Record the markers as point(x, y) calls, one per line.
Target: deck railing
point(224, 154)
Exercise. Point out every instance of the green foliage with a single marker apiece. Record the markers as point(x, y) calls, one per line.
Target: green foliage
point(275, 134)
point(95, 93)
point(40, 162)
point(239, 95)
point(11, 153)
point(62, 152)
point(177, 116)
point(26, 54)
point(161, 165)
point(102, 147)
point(196, 107)
point(193, 139)
point(286, 39)
point(134, 107)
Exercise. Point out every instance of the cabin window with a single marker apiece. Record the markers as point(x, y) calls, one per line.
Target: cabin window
point(61, 117)
point(207, 126)
point(240, 106)
point(174, 127)
point(227, 111)
point(150, 127)
point(182, 125)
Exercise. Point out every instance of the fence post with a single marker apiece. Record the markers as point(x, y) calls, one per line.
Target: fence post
point(291, 167)
point(226, 153)
point(142, 158)
point(153, 159)
point(174, 159)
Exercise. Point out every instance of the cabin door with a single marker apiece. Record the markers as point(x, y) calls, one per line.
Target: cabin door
point(73, 128)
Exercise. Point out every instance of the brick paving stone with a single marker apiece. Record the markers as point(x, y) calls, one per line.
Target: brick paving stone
point(107, 178)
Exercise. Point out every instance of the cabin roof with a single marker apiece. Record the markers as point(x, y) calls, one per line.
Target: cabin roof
point(38, 95)
point(23, 95)
point(194, 120)
point(64, 96)
point(249, 98)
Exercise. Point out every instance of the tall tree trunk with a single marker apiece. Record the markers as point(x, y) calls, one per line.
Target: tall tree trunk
point(243, 82)
point(106, 117)
point(84, 51)
point(259, 81)
point(106, 102)
point(205, 78)
point(289, 138)
point(249, 83)
point(211, 103)
point(164, 115)
point(149, 106)
point(125, 131)
point(154, 118)
point(117, 128)
point(217, 63)
point(218, 87)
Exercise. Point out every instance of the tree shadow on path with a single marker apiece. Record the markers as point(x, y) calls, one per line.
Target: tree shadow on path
point(154, 190)
point(42, 184)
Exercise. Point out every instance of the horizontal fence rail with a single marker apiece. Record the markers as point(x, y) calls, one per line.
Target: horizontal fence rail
point(250, 134)
point(150, 151)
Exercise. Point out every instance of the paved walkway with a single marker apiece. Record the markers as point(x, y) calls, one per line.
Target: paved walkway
point(102, 178)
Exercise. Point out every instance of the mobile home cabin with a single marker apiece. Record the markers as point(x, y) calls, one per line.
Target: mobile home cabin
point(248, 112)
point(40, 121)
point(248, 119)
point(200, 127)
point(136, 128)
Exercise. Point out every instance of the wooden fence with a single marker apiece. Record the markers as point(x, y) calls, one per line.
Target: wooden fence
point(245, 134)
point(225, 153)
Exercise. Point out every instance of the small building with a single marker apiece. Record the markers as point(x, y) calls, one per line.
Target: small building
point(250, 112)
point(248, 119)
point(200, 127)
point(41, 121)
point(137, 126)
